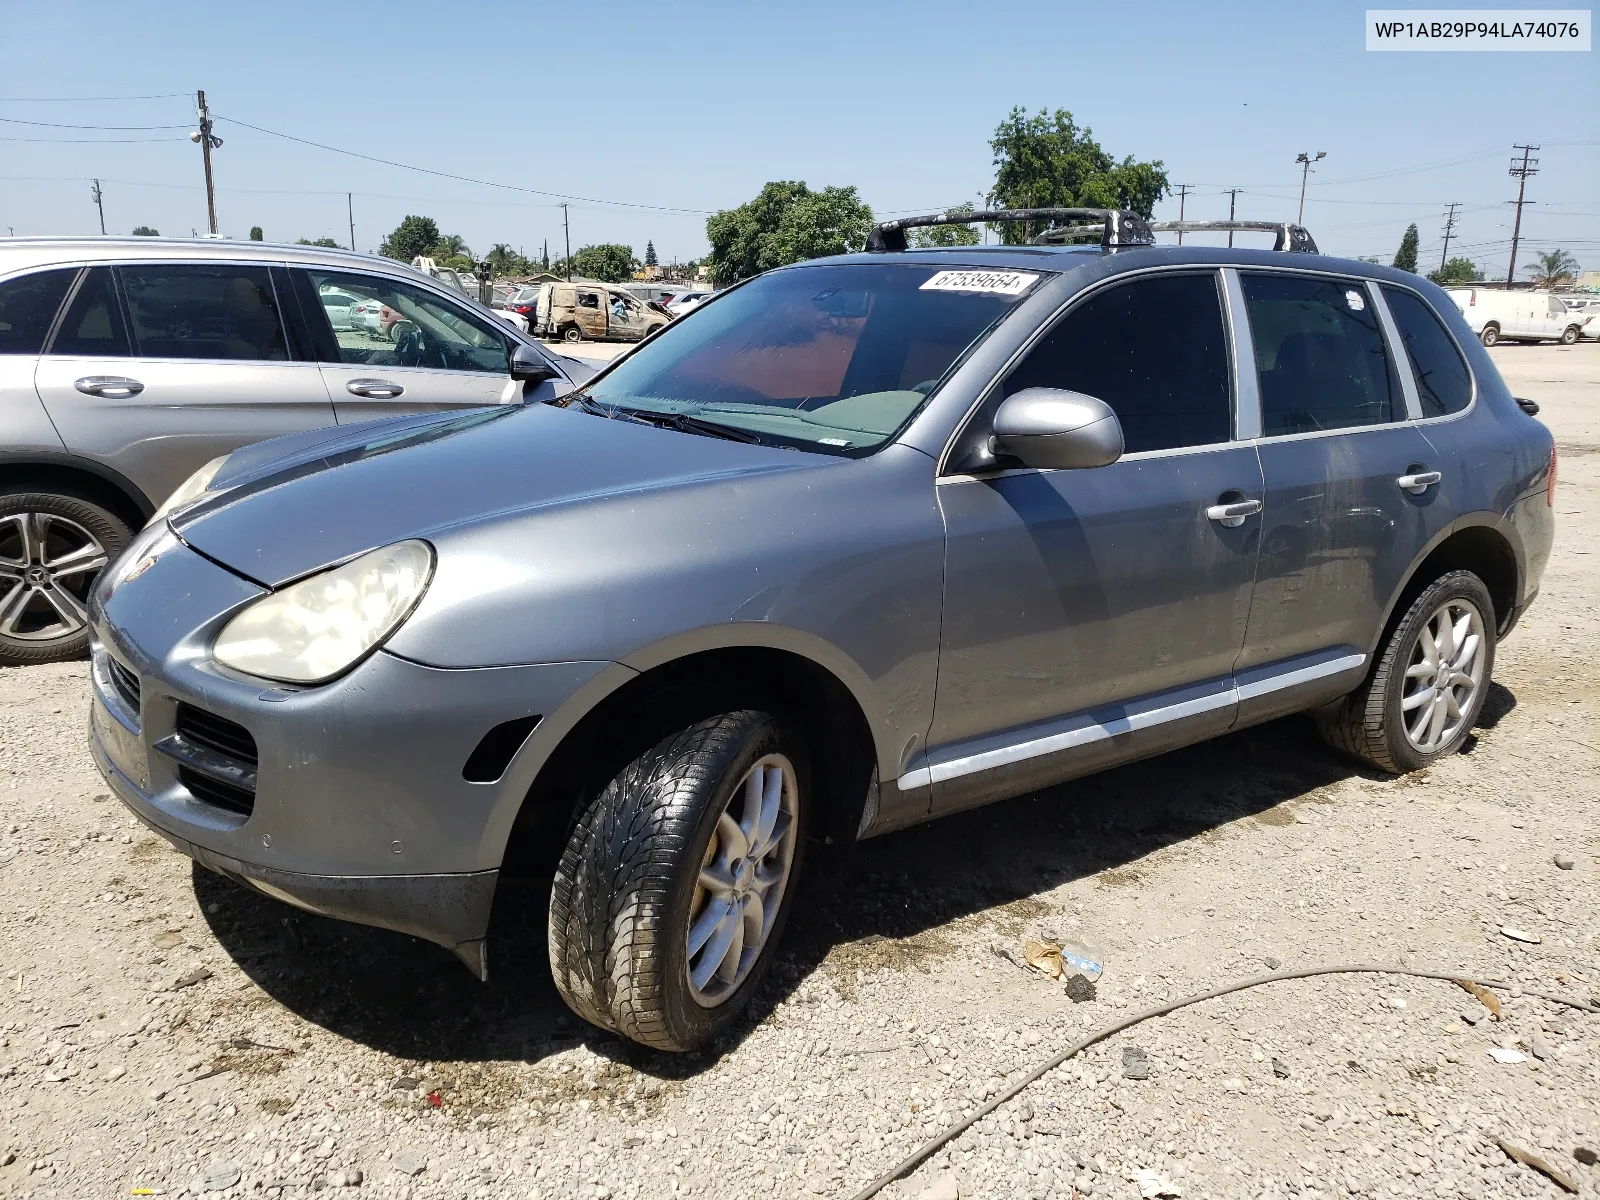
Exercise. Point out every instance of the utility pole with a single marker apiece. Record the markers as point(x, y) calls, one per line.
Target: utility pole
point(96, 194)
point(208, 142)
point(1449, 228)
point(1233, 196)
point(350, 211)
point(1521, 170)
point(1183, 194)
point(1306, 160)
point(568, 231)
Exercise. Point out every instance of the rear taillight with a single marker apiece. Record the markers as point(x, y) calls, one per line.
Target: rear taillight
point(1550, 483)
point(1472, 299)
point(524, 309)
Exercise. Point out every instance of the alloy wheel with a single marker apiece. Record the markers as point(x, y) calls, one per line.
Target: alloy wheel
point(740, 887)
point(1443, 676)
point(47, 565)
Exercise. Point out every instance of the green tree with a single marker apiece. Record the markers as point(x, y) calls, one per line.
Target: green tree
point(1046, 161)
point(145, 231)
point(650, 259)
point(607, 262)
point(412, 237)
point(1457, 270)
point(1405, 258)
point(1553, 269)
point(787, 222)
point(322, 241)
point(503, 260)
point(946, 235)
point(450, 245)
point(255, 233)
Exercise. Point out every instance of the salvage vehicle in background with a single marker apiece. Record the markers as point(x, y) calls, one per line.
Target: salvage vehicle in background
point(125, 364)
point(573, 312)
point(871, 539)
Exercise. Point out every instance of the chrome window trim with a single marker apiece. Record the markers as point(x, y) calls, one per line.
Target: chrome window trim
point(1242, 346)
point(1403, 369)
point(1048, 324)
point(1081, 728)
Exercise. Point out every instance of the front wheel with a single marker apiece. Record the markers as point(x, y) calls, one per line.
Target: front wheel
point(53, 545)
point(1490, 335)
point(673, 890)
point(1569, 335)
point(1428, 688)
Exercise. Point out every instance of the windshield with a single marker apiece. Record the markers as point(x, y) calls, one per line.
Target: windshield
point(829, 358)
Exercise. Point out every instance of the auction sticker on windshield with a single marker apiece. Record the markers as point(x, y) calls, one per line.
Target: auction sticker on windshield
point(999, 283)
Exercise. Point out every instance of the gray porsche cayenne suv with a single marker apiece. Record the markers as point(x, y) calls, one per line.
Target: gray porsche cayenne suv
point(858, 543)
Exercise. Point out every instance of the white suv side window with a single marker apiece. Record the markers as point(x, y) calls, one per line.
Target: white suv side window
point(392, 324)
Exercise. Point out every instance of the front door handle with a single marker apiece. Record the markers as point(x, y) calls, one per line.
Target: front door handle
point(374, 389)
point(1418, 482)
point(112, 387)
point(1232, 515)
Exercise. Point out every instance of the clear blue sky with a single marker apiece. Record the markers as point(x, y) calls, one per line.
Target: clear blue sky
point(695, 106)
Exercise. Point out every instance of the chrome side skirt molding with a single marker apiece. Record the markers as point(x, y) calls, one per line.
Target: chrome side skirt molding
point(1079, 729)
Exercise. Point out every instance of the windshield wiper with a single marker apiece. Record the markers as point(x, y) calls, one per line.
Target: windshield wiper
point(682, 422)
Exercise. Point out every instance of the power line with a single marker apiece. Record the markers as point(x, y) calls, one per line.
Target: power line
point(510, 187)
point(86, 99)
point(88, 141)
point(56, 125)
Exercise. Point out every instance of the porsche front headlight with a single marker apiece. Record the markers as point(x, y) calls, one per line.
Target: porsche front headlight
point(317, 628)
point(190, 489)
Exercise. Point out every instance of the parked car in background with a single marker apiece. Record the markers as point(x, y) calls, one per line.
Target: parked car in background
point(687, 302)
point(339, 306)
point(1587, 309)
point(573, 312)
point(889, 536)
point(1501, 315)
point(127, 363)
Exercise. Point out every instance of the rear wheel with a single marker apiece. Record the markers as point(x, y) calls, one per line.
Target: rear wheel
point(572, 334)
point(673, 890)
point(1490, 334)
point(52, 548)
point(1432, 677)
point(1569, 335)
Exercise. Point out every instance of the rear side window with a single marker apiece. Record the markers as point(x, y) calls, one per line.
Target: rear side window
point(28, 306)
point(93, 325)
point(1443, 384)
point(1319, 353)
point(204, 311)
point(1154, 350)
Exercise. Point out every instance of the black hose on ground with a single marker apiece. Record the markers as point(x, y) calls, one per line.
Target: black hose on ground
point(934, 1144)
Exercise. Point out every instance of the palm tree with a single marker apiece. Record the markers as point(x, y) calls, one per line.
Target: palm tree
point(502, 258)
point(451, 245)
point(1554, 269)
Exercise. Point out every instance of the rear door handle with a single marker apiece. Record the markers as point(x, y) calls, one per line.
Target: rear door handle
point(1233, 515)
point(1419, 481)
point(375, 389)
point(112, 387)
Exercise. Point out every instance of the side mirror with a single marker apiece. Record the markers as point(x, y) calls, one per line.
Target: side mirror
point(1056, 429)
point(528, 365)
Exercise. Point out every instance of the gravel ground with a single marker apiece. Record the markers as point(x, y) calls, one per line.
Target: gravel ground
point(162, 1029)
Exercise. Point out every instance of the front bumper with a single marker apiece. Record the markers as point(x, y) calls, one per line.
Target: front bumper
point(355, 804)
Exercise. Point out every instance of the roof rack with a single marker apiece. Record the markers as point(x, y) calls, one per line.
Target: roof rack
point(1116, 227)
point(1291, 237)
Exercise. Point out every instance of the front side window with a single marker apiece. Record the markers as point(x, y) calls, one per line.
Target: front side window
point(1155, 350)
point(1319, 354)
point(204, 311)
point(1557, 308)
point(1443, 384)
point(27, 307)
point(830, 358)
point(392, 324)
point(93, 325)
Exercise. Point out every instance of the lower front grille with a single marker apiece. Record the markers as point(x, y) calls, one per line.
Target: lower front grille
point(125, 681)
point(213, 791)
point(217, 734)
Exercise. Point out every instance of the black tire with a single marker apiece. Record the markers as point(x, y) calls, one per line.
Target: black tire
point(69, 519)
point(1369, 723)
point(626, 883)
point(1569, 335)
point(572, 334)
point(1490, 334)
